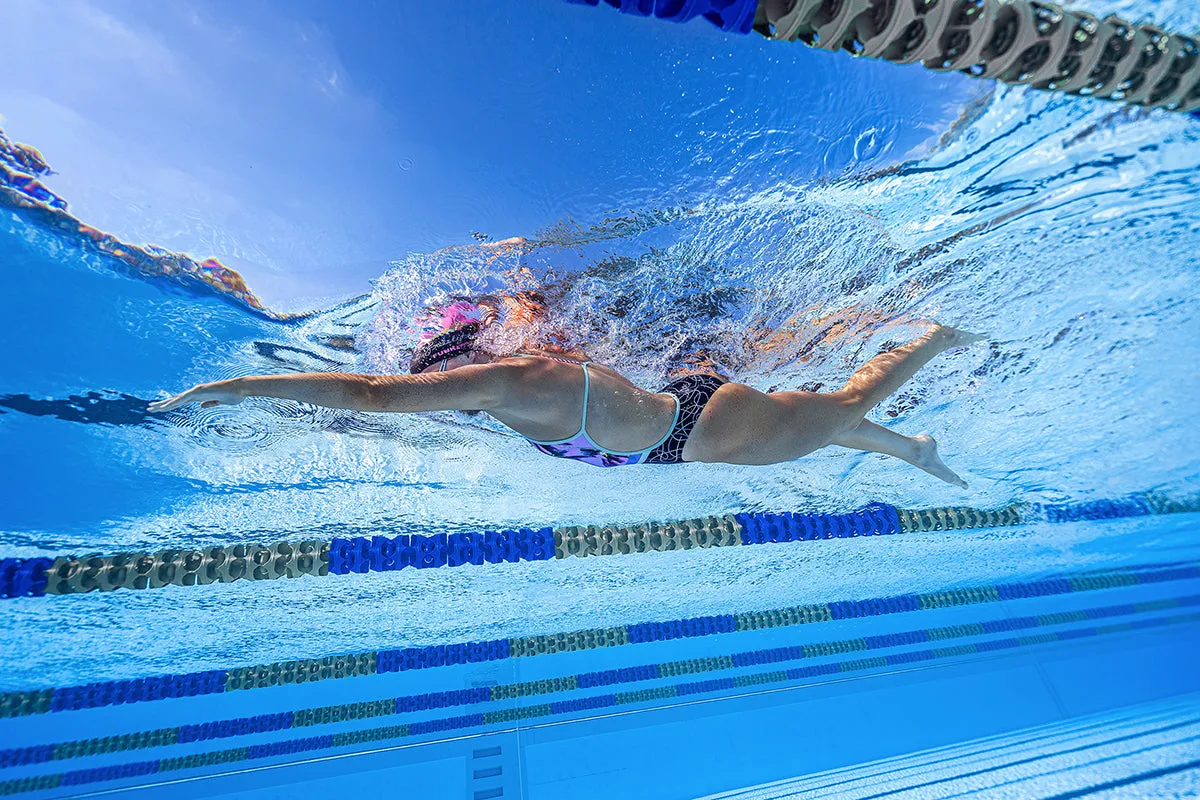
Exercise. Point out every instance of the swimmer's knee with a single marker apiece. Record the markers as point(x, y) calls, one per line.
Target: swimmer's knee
point(846, 408)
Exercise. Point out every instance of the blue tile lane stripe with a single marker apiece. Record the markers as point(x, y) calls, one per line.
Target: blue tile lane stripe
point(145, 689)
point(78, 777)
point(432, 700)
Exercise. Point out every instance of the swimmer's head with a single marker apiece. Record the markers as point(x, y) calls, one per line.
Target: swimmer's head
point(443, 347)
point(447, 332)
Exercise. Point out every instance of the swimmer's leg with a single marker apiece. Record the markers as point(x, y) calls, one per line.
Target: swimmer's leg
point(874, 381)
point(920, 451)
point(743, 426)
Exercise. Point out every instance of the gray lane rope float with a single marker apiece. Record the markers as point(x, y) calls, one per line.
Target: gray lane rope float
point(345, 712)
point(477, 720)
point(70, 698)
point(1020, 42)
point(70, 574)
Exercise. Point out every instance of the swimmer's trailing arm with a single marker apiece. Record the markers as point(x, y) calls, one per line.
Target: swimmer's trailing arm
point(479, 386)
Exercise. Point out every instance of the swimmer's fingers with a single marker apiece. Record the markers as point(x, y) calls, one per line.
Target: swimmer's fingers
point(171, 403)
point(956, 337)
point(967, 338)
point(206, 394)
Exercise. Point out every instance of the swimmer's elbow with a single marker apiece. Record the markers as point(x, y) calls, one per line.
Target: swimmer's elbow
point(376, 393)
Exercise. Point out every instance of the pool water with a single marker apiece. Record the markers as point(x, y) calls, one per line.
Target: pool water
point(1064, 228)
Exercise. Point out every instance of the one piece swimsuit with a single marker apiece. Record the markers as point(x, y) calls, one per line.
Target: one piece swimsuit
point(691, 394)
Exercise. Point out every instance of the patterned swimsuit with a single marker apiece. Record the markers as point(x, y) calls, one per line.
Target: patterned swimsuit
point(691, 394)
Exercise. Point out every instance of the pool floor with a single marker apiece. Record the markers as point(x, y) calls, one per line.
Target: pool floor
point(696, 715)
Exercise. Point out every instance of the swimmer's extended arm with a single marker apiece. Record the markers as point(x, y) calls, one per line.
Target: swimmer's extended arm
point(475, 387)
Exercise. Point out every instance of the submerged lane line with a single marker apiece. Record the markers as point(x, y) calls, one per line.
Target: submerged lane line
point(346, 712)
point(70, 698)
point(82, 776)
point(547, 725)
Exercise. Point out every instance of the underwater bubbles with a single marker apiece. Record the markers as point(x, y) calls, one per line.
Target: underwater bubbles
point(231, 429)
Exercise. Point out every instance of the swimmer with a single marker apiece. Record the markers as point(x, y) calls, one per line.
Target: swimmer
point(573, 408)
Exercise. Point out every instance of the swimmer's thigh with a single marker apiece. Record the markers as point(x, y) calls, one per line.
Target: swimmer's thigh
point(741, 425)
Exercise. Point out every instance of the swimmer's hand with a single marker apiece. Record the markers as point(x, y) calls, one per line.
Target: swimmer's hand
point(512, 241)
point(956, 337)
point(219, 393)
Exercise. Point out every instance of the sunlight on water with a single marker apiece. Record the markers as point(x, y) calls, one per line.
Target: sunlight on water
point(1066, 229)
point(1042, 222)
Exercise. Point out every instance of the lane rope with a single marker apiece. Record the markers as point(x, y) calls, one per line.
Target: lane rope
point(1020, 42)
point(71, 574)
point(120, 692)
point(344, 712)
point(542, 710)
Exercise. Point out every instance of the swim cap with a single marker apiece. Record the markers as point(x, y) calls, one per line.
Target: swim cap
point(446, 332)
point(442, 319)
point(446, 345)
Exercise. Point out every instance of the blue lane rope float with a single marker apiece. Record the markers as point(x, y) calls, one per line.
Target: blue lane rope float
point(390, 706)
point(477, 720)
point(1023, 42)
point(70, 574)
point(731, 16)
point(120, 692)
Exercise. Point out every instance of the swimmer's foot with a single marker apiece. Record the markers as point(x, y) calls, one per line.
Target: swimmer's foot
point(927, 458)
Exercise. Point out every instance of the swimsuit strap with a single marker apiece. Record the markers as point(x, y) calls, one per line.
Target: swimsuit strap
point(587, 387)
point(690, 395)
